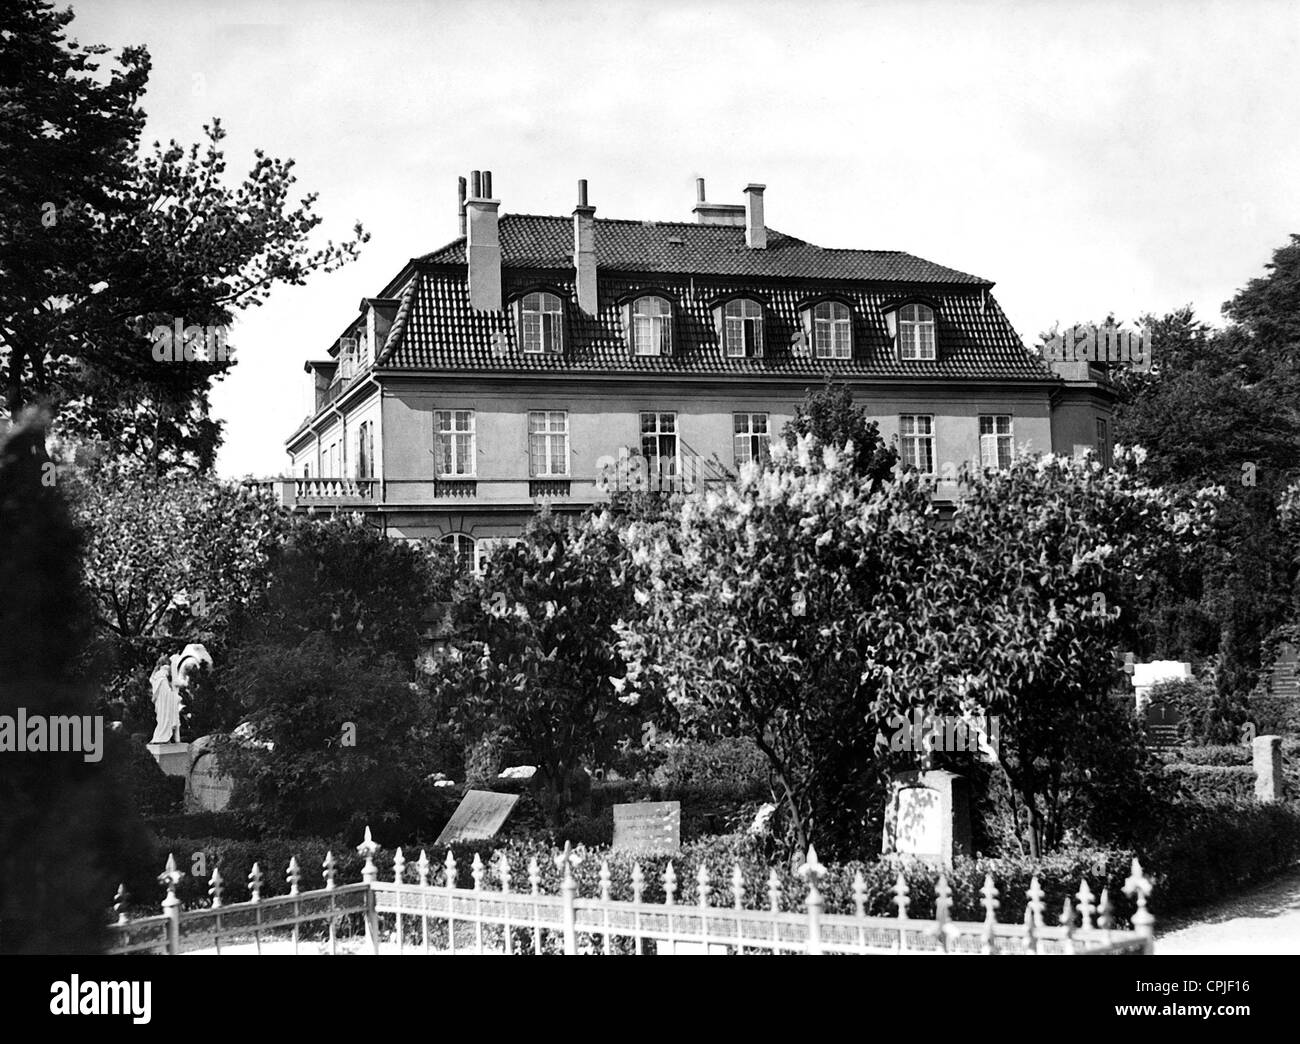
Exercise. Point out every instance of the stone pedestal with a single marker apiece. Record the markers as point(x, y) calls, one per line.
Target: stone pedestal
point(928, 816)
point(1268, 768)
point(172, 758)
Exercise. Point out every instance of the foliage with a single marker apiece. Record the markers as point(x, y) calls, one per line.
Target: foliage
point(1213, 784)
point(1207, 715)
point(735, 765)
point(152, 791)
point(1221, 754)
point(64, 821)
point(347, 732)
point(830, 417)
point(104, 240)
point(537, 651)
point(1275, 715)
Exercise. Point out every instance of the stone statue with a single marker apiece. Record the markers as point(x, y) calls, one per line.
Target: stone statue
point(170, 677)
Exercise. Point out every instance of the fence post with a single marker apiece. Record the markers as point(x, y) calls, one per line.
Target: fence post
point(503, 871)
point(476, 872)
point(450, 864)
point(215, 882)
point(901, 900)
point(171, 905)
point(1144, 923)
point(255, 893)
point(422, 867)
point(812, 871)
point(399, 871)
point(535, 884)
point(638, 886)
point(990, 904)
point(330, 872)
point(774, 906)
point(568, 892)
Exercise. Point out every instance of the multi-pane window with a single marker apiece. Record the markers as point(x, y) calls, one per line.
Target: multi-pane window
point(916, 431)
point(659, 441)
point(542, 321)
point(995, 441)
point(916, 331)
point(462, 547)
point(652, 326)
point(1103, 443)
point(751, 437)
point(548, 443)
point(832, 331)
point(365, 450)
point(453, 442)
point(742, 327)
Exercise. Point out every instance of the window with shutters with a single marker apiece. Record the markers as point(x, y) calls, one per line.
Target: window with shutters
point(995, 441)
point(742, 328)
point(916, 331)
point(548, 443)
point(659, 442)
point(652, 326)
point(453, 443)
point(541, 323)
point(751, 438)
point(832, 331)
point(916, 438)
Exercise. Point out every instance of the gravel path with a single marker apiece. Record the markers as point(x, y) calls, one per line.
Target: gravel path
point(1262, 920)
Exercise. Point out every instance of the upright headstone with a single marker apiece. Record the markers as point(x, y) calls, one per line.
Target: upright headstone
point(928, 816)
point(649, 827)
point(1268, 768)
point(207, 788)
point(478, 817)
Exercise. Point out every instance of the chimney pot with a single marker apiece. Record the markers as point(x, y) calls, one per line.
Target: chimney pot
point(755, 226)
point(582, 192)
point(460, 204)
point(487, 184)
point(699, 190)
point(475, 184)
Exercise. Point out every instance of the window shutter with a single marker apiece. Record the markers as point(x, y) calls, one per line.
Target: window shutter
point(666, 333)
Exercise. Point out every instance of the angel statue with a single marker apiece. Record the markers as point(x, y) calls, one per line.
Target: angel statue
point(170, 677)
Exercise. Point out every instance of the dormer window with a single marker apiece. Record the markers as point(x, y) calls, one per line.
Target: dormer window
point(832, 331)
point(742, 328)
point(652, 326)
point(541, 323)
point(916, 331)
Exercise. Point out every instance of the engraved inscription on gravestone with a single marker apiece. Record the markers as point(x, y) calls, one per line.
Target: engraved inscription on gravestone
point(648, 826)
point(478, 817)
point(207, 788)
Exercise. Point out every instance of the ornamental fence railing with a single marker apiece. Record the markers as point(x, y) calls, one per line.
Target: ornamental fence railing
point(420, 916)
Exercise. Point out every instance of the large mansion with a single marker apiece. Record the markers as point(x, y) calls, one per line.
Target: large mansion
point(529, 360)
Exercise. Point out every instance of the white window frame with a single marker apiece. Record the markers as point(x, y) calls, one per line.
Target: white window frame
point(656, 325)
point(916, 431)
point(658, 433)
point(745, 439)
point(465, 549)
point(742, 328)
point(832, 330)
point(460, 438)
point(549, 430)
point(916, 332)
point(997, 444)
point(541, 323)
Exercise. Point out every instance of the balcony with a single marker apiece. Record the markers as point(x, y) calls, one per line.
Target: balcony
point(329, 493)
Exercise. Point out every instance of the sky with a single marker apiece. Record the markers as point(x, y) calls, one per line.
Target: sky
point(1088, 157)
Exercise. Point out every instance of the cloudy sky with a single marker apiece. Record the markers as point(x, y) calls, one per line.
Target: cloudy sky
point(1087, 156)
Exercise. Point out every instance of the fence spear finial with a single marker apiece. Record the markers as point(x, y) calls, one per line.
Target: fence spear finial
point(255, 883)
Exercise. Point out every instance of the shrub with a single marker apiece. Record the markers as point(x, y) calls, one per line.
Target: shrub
point(1208, 716)
point(1213, 783)
point(1275, 715)
point(1214, 755)
point(733, 765)
point(151, 790)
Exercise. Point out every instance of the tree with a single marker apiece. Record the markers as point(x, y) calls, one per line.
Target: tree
point(538, 651)
point(336, 739)
point(101, 245)
point(794, 608)
point(832, 419)
point(64, 824)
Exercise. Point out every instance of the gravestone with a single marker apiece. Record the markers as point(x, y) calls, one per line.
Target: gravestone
point(651, 827)
point(928, 816)
point(1160, 722)
point(207, 788)
point(478, 817)
point(1268, 768)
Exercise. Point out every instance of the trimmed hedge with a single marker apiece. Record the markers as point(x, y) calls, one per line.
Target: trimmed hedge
point(1214, 783)
point(1207, 853)
point(1215, 755)
point(1275, 715)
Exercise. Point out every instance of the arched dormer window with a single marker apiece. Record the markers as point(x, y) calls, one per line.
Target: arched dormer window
point(742, 328)
point(832, 330)
point(541, 323)
point(462, 546)
point(916, 331)
point(651, 327)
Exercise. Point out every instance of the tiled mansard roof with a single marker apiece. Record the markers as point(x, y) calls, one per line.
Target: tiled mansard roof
point(695, 265)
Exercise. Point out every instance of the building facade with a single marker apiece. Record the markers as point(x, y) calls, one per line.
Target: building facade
point(546, 360)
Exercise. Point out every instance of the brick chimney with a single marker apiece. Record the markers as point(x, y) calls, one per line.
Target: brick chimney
point(584, 251)
point(755, 229)
point(483, 245)
point(716, 213)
